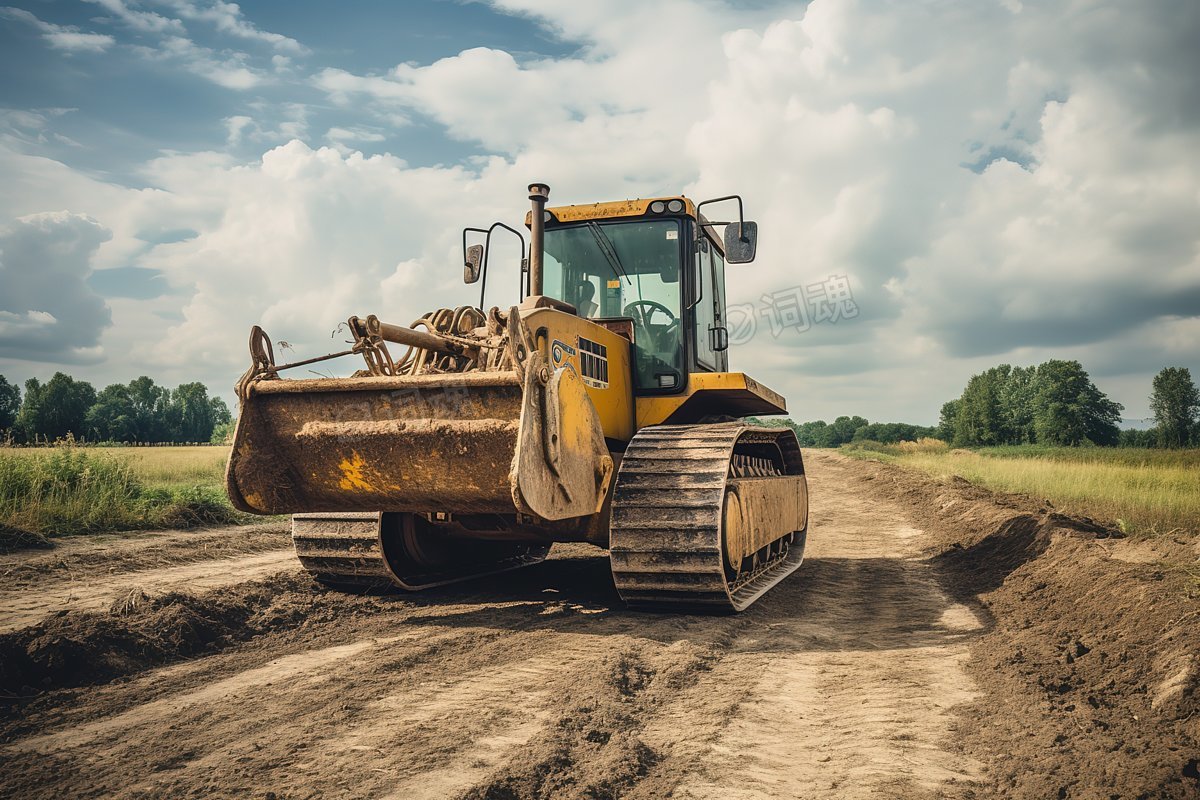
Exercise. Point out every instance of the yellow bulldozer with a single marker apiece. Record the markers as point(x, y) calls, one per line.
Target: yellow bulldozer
point(599, 409)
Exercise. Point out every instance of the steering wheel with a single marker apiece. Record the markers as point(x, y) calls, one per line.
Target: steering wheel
point(642, 317)
point(642, 310)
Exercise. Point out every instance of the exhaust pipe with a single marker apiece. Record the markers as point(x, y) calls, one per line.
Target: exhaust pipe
point(539, 193)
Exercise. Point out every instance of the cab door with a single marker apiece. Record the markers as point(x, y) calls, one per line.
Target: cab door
point(710, 339)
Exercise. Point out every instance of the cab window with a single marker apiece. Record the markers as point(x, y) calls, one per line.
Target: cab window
point(625, 269)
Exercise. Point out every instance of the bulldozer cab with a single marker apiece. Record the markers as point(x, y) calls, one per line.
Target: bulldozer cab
point(655, 265)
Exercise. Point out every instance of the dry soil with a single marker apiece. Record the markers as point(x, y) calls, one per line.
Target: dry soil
point(939, 641)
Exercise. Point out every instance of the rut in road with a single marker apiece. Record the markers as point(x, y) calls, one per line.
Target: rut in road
point(85, 591)
point(840, 683)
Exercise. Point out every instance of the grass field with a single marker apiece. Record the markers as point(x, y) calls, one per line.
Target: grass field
point(64, 490)
point(1144, 492)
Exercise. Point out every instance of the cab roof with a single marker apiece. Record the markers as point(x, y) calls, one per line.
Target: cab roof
point(612, 210)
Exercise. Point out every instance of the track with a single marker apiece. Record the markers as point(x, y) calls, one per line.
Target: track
point(849, 679)
point(671, 525)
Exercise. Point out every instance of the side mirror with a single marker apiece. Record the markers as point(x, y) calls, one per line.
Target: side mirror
point(741, 240)
point(474, 263)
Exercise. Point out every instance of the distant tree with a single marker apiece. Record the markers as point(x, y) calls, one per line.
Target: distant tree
point(10, 404)
point(842, 430)
point(152, 419)
point(1015, 393)
point(220, 411)
point(947, 419)
point(56, 408)
point(1176, 406)
point(979, 420)
point(1070, 410)
point(192, 418)
point(1131, 437)
point(140, 411)
point(112, 417)
point(892, 432)
point(223, 432)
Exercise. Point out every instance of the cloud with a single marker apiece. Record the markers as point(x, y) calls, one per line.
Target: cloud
point(292, 124)
point(341, 138)
point(227, 18)
point(31, 127)
point(67, 38)
point(229, 69)
point(998, 182)
point(47, 311)
point(140, 21)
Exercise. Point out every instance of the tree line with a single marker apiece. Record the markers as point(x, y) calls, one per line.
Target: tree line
point(845, 430)
point(139, 411)
point(1054, 403)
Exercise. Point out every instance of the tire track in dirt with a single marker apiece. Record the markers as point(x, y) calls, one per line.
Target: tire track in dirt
point(27, 605)
point(854, 693)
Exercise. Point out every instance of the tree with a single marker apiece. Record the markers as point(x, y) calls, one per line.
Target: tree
point(892, 432)
point(979, 421)
point(223, 432)
point(842, 431)
point(1176, 406)
point(111, 417)
point(812, 434)
point(221, 414)
point(1015, 394)
point(10, 404)
point(1131, 437)
point(55, 409)
point(192, 415)
point(947, 419)
point(150, 406)
point(1070, 409)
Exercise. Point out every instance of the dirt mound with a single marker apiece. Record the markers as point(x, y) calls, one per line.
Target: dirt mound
point(140, 631)
point(1091, 660)
point(13, 540)
point(128, 551)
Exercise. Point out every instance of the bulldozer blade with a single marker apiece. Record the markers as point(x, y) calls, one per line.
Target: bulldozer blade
point(440, 442)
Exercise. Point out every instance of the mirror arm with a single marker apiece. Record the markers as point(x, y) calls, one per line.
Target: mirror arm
point(487, 249)
point(741, 216)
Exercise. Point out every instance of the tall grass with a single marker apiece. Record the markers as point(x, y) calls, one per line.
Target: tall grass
point(68, 490)
point(1145, 492)
point(174, 466)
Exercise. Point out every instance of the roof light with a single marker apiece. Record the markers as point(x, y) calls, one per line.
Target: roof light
point(658, 207)
point(675, 206)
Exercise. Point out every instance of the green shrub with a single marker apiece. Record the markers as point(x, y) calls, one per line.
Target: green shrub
point(72, 490)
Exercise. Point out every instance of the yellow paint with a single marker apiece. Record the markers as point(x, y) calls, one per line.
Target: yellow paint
point(614, 403)
point(734, 387)
point(613, 210)
point(621, 414)
point(352, 475)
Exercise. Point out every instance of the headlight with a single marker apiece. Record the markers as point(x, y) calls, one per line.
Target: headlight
point(675, 206)
point(658, 207)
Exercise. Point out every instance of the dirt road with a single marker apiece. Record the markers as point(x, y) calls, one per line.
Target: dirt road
point(847, 681)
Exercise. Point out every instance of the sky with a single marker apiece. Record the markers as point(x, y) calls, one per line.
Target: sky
point(988, 182)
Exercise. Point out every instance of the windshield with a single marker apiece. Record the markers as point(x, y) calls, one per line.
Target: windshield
point(624, 269)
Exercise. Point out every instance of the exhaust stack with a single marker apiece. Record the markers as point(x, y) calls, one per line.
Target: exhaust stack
point(539, 193)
